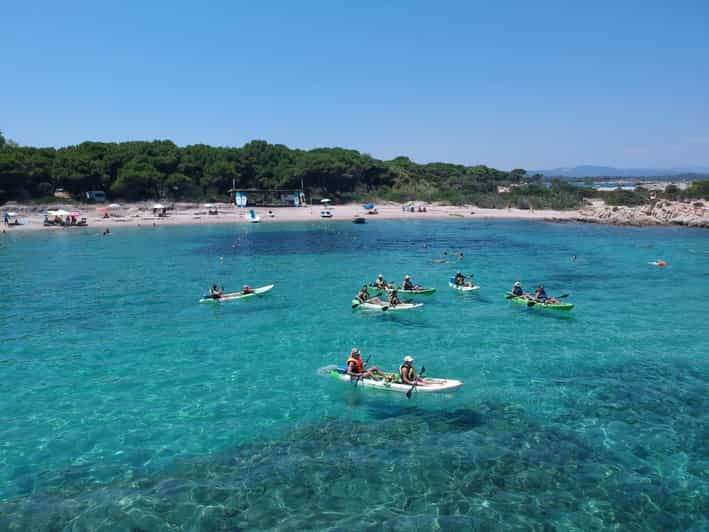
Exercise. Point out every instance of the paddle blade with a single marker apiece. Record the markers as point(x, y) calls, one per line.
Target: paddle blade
point(531, 303)
point(562, 296)
point(408, 394)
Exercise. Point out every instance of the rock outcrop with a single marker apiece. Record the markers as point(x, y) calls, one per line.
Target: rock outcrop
point(691, 214)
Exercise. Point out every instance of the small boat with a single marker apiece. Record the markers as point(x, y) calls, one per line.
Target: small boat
point(428, 385)
point(326, 214)
point(463, 288)
point(384, 308)
point(237, 295)
point(252, 217)
point(538, 304)
point(359, 220)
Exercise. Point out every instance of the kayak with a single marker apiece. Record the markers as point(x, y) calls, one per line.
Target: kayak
point(237, 295)
point(388, 308)
point(415, 291)
point(536, 304)
point(428, 385)
point(464, 288)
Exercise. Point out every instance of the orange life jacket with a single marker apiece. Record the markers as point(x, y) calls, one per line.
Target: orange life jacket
point(359, 365)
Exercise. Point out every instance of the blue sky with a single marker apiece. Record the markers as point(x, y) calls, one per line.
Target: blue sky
point(513, 84)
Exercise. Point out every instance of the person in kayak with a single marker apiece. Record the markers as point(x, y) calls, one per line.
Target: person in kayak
point(394, 298)
point(364, 297)
point(407, 373)
point(363, 294)
point(407, 284)
point(355, 367)
point(541, 296)
point(216, 293)
point(459, 279)
point(246, 290)
point(517, 290)
point(380, 282)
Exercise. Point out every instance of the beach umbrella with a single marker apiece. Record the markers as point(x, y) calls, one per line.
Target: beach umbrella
point(60, 212)
point(209, 205)
point(158, 206)
point(325, 201)
point(12, 214)
point(368, 206)
point(75, 214)
point(114, 206)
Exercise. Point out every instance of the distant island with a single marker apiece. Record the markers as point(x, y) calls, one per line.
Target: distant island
point(140, 170)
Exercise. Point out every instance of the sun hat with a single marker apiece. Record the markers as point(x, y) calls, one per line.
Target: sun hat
point(380, 276)
point(518, 283)
point(407, 276)
point(408, 358)
point(354, 351)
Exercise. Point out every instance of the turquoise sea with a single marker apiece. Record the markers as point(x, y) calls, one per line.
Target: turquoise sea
point(127, 405)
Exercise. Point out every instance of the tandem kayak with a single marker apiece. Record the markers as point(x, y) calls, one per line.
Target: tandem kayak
point(237, 295)
point(413, 292)
point(429, 385)
point(388, 308)
point(464, 288)
point(538, 304)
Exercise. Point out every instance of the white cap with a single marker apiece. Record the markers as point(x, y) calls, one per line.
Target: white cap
point(380, 276)
point(407, 276)
point(407, 358)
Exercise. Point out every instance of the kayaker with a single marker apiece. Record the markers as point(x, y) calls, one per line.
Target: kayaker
point(542, 296)
point(380, 282)
point(407, 373)
point(246, 290)
point(355, 367)
point(363, 294)
point(215, 293)
point(407, 284)
point(517, 290)
point(459, 279)
point(394, 298)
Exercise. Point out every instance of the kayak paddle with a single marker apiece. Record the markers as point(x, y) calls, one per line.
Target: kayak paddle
point(423, 370)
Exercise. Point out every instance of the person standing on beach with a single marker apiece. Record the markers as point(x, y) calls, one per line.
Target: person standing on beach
point(7, 219)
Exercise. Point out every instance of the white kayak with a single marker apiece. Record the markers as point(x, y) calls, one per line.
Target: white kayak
point(385, 307)
point(428, 385)
point(237, 295)
point(464, 288)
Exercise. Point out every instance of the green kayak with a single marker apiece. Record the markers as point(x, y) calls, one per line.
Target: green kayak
point(537, 304)
point(414, 292)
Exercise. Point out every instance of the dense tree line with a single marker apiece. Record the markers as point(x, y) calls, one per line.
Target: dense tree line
point(142, 170)
point(161, 169)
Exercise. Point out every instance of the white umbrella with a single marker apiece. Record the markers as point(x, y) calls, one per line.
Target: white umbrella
point(209, 205)
point(12, 214)
point(114, 206)
point(158, 206)
point(325, 200)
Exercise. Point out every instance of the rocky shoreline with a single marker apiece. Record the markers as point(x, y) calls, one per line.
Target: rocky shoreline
point(694, 214)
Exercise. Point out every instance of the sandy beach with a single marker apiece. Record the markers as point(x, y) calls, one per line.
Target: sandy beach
point(141, 214)
point(31, 217)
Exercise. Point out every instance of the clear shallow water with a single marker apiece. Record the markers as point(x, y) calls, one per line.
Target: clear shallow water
point(122, 408)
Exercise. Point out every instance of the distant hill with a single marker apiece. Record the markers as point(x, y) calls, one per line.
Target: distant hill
point(608, 171)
